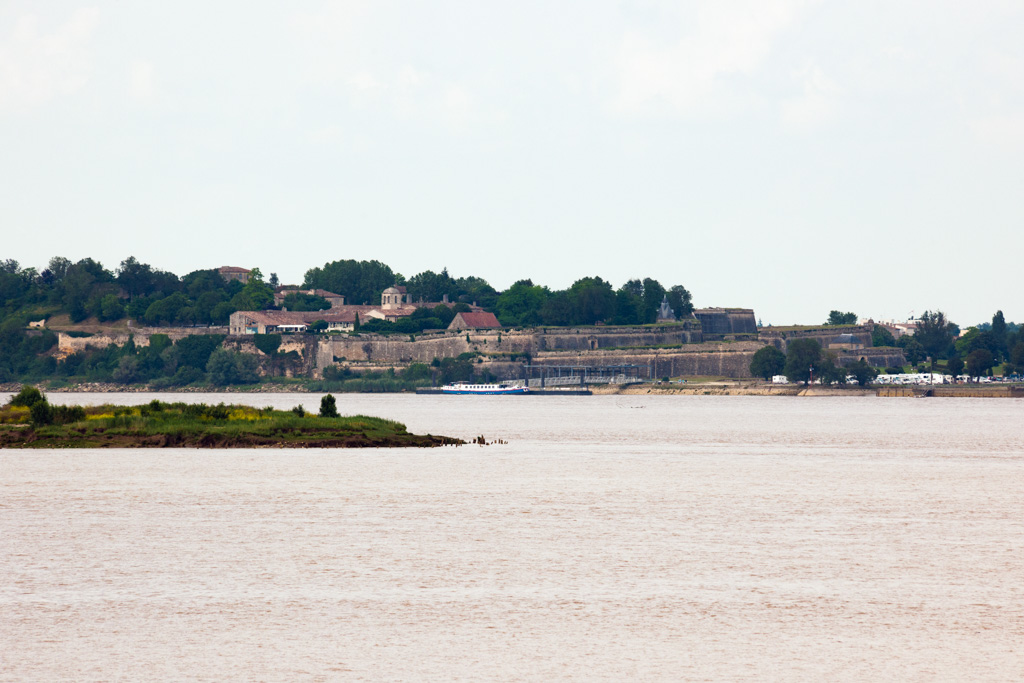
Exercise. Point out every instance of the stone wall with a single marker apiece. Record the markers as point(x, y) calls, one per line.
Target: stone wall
point(826, 334)
point(423, 348)
point(67, 345)
point(723, 323)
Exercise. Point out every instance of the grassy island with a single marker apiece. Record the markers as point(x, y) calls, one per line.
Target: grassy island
point(29, 421)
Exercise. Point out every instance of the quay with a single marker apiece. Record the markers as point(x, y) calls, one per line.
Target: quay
point(532, 392)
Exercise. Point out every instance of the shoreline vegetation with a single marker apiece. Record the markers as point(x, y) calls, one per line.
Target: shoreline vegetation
point(701, 386)
point(29, 421)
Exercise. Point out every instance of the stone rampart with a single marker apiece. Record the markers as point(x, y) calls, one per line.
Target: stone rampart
point(779, 337)
point(724, 323)
point(67, 345)
point(708, 359)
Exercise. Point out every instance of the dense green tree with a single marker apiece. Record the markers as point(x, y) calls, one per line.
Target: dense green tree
point(628, 307)
point(954, 365)
point(829, 371)
point(593, 301)
point(767, 362)
point(882, 337)
point(328, 406)
point(444, 313)
point(229, 367)
point(520, 304)
point(268, 343)
point(935, 334)
point(27, 397)
point(305, 302)
point(195, 349)
point(999, 336)
point(111, 308)
point(557, 310)
point(654, 293)
point(802, 356)
point(681, 301)
point(1016, 359)
point(840, 318)
point(862, 371)
point(912, 349)
point(360, 282)
point(979, 362)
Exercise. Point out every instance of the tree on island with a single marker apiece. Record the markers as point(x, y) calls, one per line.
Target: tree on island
point(767, 362)
point(839, 318)
point(328, 406)
point(802, 356)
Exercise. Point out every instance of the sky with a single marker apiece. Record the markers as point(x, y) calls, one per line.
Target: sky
point(789, 156)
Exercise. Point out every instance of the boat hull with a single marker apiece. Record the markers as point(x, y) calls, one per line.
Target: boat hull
point(483, 391)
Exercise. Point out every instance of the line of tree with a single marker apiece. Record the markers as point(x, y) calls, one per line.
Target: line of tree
point(588, 301)
point(976, 352)
point(805, 361)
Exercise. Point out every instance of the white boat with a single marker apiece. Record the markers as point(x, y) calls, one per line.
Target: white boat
point(468, 388)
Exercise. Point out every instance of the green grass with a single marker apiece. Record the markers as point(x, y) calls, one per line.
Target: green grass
point(159, 424)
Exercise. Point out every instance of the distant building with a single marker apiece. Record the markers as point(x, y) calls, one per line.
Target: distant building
point(270, 322)
point(394, 296)
point(846, 341)
point(665, 313)
point(230, 273)
point(478, 320)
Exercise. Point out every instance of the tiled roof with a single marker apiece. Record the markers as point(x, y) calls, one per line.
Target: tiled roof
point(233, 269)
point(480, 319)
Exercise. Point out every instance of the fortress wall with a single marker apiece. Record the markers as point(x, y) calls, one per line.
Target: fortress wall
point(711, 359)
point(717, 323)
point(881, 357)
point(67, 345)
point(779, 338)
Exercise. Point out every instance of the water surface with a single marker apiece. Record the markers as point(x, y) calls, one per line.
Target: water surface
point(615, 536)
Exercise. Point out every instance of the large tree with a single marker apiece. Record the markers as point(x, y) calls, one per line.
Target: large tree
point(979, 362)
point(935, 334)
point(862, 371)
point(767, 362)
point(360, 282)
point(680, 300)
point(840, 318)
point(802, 356)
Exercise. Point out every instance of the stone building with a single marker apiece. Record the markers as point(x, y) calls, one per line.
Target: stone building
point(479, 320)
point(269, 322)
point(393, 297)
point(230, 273)
point(665, 312)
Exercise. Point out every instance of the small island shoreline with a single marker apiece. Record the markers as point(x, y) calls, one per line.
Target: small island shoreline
point(29, 421)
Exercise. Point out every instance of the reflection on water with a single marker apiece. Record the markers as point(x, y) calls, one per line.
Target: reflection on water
point(614, 537)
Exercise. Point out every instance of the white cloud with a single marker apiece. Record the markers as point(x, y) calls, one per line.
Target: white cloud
point(142, 87)
point(818, 101)
point(727, 38)
point(37, 66)
point(1001, 131)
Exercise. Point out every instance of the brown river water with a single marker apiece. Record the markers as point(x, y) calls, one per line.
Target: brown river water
point(612, 538)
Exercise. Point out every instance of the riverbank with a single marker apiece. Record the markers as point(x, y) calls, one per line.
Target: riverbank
point(730, 389)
